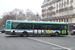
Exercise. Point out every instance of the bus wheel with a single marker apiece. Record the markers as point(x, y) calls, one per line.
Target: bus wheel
point(56, 34)
point(25, 34)
point(21, 35)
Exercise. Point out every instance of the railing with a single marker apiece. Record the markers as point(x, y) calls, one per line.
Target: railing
point(43, 14)
point(64, 9)
point(43, 10)
point(52, 1)
point(71, 7)
point(50, 8)
point(58, 17)
point(49, 3)
point(43, 5)
point(51, 13)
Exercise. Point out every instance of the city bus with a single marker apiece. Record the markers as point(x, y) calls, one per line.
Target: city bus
point(26, 28)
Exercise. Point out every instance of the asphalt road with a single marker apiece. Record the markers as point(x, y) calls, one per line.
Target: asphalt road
point(8, 42)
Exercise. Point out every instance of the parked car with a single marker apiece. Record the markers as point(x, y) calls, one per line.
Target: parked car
point(2, 31)
point(73, 32)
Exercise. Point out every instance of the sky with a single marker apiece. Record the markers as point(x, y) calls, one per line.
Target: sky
point(9, 5)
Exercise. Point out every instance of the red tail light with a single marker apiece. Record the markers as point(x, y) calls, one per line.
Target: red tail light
point(72, 32)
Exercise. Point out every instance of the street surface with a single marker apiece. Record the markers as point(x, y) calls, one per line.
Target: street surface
point(8, 42)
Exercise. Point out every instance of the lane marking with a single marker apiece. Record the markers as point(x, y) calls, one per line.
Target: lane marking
point(49, 43)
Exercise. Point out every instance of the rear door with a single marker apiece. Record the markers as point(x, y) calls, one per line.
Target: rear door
point(37, 29)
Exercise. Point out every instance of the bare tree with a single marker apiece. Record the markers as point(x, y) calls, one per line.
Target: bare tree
point(19, 14)
point(31, 16)
point(16, 14)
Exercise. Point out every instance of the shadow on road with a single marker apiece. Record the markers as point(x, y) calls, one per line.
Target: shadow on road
point(13, 36)
point(47, 36)
point(33, 36)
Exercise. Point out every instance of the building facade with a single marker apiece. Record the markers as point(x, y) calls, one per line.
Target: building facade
point(58, 10)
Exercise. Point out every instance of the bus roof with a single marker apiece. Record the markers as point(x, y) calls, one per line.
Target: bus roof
point(40, 22)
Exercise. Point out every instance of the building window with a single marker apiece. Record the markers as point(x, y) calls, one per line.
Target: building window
point(64, 20)
point(56, 20)
point(70, 19)
point(64, 13)
point(67, 20)
point(54, 4)
point(59, 20)
point(71, 11)
point(64, 5)
point(71, 3)
point(57, 6)
point(67, 0)
point(71, 0)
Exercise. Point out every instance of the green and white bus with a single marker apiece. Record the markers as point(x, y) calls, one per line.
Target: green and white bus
point(26, 28)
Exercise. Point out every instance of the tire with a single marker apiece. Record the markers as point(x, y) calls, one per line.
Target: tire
point(71, 34)
point(57, 34)
point(21, 35)
point(25, 34)
point(51, 35)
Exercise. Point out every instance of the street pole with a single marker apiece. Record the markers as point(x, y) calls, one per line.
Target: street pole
point(16, 16)
point(37, 17)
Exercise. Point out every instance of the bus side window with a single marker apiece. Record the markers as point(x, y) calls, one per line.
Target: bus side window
point(61, 27)
point(35, 26)
point(18, 26)
point(54, 27)
point(58, 27)
point(39, 26)
point(65, 27)
point(50, 27)
point(44, 27)
point(27, 26)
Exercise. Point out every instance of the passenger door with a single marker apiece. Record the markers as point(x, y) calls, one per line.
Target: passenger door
point(37, 28)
